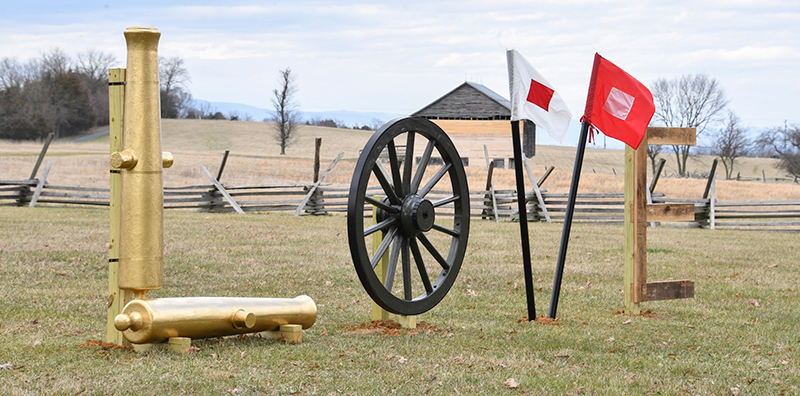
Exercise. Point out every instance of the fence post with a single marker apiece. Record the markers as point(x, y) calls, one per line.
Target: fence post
point(40, 185)
point(546, 174)
point(317, 183)
point(317, 201)
point(536, 191)
point(490, 183)
point(222, 190)
point(712, 205)
point(710, 178)
point(657, 174)
point(222, 165)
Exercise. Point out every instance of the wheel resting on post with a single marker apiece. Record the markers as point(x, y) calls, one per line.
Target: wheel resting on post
point(411, 176)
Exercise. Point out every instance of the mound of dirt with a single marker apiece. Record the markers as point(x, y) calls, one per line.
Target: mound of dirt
point(386, 328)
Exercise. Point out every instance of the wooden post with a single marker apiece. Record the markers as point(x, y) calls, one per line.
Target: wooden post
point(657, 174)
point(317, 183)
point(222, 165)
point(546, 174)
point(635, 284)
point(117, 298)
point(41, 155)
point(712, 215)
point(710, 178)
point(763, 175)
point(222, 190)
point(536, 189)
point(317, 146)
point(40, 184)
point(490, 183)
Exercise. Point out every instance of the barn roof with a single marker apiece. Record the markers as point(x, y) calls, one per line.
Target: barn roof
point(468, 101)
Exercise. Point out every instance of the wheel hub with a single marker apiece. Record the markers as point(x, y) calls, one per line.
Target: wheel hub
point(417, 215)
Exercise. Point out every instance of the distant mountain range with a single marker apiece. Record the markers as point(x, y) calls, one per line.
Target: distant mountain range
point(349, 118)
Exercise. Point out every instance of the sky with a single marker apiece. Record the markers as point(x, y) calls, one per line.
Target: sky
point(397, 57)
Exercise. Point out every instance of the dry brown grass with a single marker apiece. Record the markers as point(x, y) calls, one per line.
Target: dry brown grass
point(255, 159)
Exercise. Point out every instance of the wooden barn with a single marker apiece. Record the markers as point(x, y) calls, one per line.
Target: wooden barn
point(472, 108)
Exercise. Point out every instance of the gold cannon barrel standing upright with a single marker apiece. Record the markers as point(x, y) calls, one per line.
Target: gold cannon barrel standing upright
point(142, 204)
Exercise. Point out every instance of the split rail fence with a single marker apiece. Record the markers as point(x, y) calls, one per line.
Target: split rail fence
point(603, 208)
point(320, 198)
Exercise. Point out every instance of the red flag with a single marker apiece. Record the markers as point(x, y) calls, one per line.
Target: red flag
point(618, 104)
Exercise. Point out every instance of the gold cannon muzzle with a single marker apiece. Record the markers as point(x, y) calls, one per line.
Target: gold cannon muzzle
point(141, 264)
point(155, 320)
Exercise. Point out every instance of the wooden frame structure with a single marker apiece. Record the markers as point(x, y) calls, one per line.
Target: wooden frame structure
point(638, 212)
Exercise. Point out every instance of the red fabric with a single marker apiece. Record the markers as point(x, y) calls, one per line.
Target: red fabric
point(618, 105)
point(540, 95)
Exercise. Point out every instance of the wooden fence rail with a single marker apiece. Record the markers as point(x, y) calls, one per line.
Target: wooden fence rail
point(597, 208)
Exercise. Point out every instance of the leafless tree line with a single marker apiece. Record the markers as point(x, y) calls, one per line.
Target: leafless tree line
point(66, 96)
point(699, 101)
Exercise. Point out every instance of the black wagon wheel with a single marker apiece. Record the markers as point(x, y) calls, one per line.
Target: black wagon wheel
point(418, 211)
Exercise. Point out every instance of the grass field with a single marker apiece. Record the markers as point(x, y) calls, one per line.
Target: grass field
point(739, 335)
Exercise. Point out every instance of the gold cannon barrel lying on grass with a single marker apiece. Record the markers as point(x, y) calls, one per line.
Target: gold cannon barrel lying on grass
point(149, 321)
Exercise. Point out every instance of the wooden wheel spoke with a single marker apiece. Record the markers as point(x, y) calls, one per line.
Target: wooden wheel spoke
point(381, 250)
point(394, 164)
point(445, 201)
point(385, 180)
point(446, 230)
point(392, 267)
point(388, 208)
point(408, 162)
point(432, 250)
point(435, 179)
point(423, 163)
point(382, 226)
point(423, 273)
point(407, 293)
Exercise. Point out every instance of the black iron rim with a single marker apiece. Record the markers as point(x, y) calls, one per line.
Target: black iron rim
point(423, 215)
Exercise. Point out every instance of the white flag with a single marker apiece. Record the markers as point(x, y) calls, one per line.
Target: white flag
point(533, 98)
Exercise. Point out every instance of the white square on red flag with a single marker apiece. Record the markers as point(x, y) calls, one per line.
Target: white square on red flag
point(618, 104)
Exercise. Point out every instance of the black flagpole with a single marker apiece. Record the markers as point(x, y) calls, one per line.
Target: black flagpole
point(523, 220)
point(573, 192)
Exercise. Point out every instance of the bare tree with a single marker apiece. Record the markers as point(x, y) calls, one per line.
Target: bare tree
point(786, 144)
point(173, 78)
point(731, 142)
point(93, 66)
point(55, 62)
point(285, 119)
point(691, 101)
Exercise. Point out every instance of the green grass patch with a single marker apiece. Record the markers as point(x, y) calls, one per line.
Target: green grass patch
point(739, 332)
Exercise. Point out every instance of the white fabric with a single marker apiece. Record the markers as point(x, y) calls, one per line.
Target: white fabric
point(618, 104)
point(556, 119)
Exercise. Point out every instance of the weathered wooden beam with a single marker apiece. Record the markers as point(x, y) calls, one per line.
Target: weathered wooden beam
point(314, 187)
point(490, 182)
point(41, 155)
point(674, 136)
point(546, 174)
point(657, 174)
point(711, 177)
point(536, 189)
point(670, 212)
point(670, 290)
point(42, 181)
point(222, 190)
point(222, 165)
